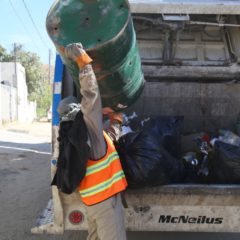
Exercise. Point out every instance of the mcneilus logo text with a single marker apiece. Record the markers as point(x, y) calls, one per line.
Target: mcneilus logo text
point(188, 219)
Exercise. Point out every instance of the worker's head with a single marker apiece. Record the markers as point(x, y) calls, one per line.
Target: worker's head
point(68, 108)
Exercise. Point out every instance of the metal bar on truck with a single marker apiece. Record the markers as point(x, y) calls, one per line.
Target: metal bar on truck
point(185, 7)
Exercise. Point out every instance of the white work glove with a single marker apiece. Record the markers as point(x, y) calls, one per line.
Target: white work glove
point(75, 52)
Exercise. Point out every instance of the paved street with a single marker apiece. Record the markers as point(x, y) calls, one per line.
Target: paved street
point(25, 188)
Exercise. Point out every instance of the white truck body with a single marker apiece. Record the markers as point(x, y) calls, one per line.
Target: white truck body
point(190, 54)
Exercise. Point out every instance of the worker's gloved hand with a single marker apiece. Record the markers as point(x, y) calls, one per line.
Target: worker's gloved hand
point(76, 52)
point(116, 117)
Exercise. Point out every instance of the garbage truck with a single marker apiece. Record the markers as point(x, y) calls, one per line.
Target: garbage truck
point(190, 56)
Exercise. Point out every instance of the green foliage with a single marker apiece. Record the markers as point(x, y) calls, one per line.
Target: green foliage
point(4, 56)
point(44, 100)
point(39, 88)
point(34, 74)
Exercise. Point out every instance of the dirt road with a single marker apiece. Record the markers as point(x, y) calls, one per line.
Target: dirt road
point(25, 187)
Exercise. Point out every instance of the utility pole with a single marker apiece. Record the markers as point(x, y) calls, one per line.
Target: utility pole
point(15, 60)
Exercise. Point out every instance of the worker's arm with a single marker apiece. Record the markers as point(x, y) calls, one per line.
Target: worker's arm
point(91, 105)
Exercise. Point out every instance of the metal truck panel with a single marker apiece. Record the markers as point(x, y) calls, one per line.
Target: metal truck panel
point(214, 208)
point(194, 208)
point(205, 106)
point(185, 7)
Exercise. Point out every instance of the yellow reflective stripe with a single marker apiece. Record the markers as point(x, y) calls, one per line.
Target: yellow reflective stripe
point(103, 186)
point(104, 164)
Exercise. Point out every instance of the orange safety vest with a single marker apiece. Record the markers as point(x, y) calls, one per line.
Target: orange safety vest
point(104, 178)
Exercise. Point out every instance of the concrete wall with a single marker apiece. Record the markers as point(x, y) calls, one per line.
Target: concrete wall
point(8, 105)
point(7, 72)
point(22, 93)
point(14, 93)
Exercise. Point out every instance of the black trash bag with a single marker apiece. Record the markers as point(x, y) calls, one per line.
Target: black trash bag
point(145, 162)
point(168, 131)
point(192, 174)
point(225, 165)
point(73, 154)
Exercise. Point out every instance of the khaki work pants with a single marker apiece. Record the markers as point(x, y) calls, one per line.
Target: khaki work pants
point(106, 220)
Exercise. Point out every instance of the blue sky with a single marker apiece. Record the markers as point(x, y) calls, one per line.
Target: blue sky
point(12, 29)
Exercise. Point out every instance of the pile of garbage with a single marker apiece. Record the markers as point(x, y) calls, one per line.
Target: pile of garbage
point(216, 161)
point(151, 153)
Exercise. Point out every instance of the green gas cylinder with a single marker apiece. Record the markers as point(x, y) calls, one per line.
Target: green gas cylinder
point(105, 29)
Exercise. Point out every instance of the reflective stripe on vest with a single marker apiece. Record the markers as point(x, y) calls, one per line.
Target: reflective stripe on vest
point(99, 166)
point(104, 178)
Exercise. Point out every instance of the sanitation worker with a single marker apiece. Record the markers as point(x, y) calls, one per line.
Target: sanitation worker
point(104, 179)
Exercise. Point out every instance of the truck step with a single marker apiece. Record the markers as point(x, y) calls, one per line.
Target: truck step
point(46, 216)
